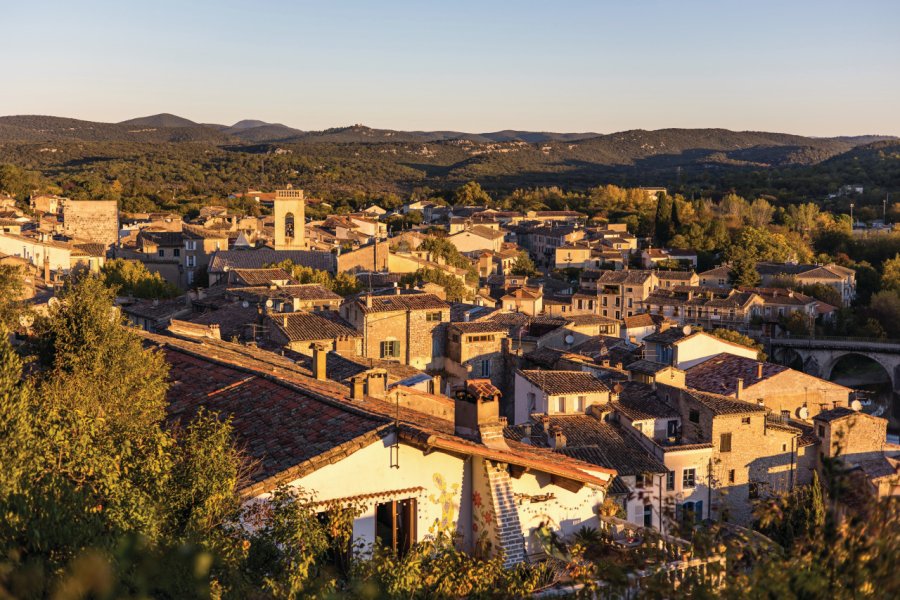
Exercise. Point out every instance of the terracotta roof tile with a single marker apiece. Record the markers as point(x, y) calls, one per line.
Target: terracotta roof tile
point(564, 382)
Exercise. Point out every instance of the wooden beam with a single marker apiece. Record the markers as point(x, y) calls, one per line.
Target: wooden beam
point(517, 471)
point(566, 483)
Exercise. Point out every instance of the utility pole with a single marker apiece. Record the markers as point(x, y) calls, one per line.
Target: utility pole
point(852, 222)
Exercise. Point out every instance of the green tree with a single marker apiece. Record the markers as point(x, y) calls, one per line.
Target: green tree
point(736, 337)
point(12, 289)
point(455, 288)
point(471, 194)
point(523, 265)
point(131, 278)
point(890, 275)
point(664, 228)
point(760, 213)
point(885, 308)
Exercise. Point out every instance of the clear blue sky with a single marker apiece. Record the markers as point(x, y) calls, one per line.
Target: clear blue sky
point(808, 67)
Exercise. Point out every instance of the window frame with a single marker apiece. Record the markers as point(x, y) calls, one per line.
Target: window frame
point(692, 472)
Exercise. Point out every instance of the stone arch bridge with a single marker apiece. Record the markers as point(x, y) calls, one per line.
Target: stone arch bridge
point(820, 355)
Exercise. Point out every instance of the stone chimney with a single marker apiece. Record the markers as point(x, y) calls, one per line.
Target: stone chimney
point(556, 437)
point(477, 414)
point(368, 301)
point(740, 388)
point(358, 387)
point(759, 370)
point(376, 383)
point(319, 361)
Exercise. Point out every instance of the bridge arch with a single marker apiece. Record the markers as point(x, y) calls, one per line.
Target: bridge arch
point(847, 359)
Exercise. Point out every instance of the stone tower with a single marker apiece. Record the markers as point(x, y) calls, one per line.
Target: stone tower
point(290, 219)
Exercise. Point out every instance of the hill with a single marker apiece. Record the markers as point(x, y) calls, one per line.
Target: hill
point(160, 120)
point(40, 128)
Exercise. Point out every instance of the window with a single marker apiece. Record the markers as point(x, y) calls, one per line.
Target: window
point(192, 261)
point(694, 416)
point(754, 490)
point(289, 225)
point(630, 303)
point(433, 316)
point(670, 480)
point(190, 245)
point(821, 433)
point(785, 415)
point(725, 442)
point(581, 403)
point(161, 253)
point(690, 512)
point(648, 515)
point(532, 402)
point(641, 480)
point(561, 404)
point(176, 251)
point(639, 427)
point(745, 421)
point(671, 427)
point(485, 368)
point(689, 478)
point(731, 476)
point(390, 349)
point(395, 525)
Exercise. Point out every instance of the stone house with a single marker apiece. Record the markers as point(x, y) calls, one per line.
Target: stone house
point(405, 327)
point(556, 392)
point(91, 220)
point(433, 464)
point(529, 301)
point(718, 277)
point(200, 244)
point(782, 390)
point(622, 293)
point(842, 279)
point(299, 331)
point(479, 237)
point(288, 297)
point(475, 350)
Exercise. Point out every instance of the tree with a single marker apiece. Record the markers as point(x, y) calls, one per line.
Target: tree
point(523, 265)
point(803, 217)
point(455, 288)
point(760, 213)
point(342, 284)
point(885, 308)
point(664, 228)
point(890, 275)
point(736, 337)
point(471, 194)
point(131, 277)
point(12, 288)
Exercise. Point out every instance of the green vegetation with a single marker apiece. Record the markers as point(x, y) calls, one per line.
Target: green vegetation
point(523, 265)
point(455, 289)
point(729, 335)
point(343, 284)
point(131, 278)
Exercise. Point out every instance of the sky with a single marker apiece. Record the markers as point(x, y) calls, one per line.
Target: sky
point(808, 67)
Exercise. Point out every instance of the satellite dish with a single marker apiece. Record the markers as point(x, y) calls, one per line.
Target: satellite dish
point(245, 304)
point(856, 405)
point(53, 302)
point(686, 329)
point(618, 388)
point(570, 339)
point(269, 303)
point(26, 320)
point(803, 413)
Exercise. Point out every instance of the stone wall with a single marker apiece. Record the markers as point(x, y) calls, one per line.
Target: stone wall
point(92, 220)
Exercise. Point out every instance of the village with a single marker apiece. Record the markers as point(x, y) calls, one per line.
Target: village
point(563, 375)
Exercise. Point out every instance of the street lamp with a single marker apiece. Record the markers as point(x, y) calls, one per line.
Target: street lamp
point(852, 222)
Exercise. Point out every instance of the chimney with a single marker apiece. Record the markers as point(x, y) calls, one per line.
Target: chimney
point(376, 383)
point(759, 370)
point(740, 388)
point(477, 415)
point(357, 387)
point(319, 361)
point(556, 437)
point(284, 320)
point(526, 433)
point(368, 301)
point(47, 267)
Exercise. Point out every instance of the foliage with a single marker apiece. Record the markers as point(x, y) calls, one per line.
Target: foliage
point(443, 250)
point(523, 265)
point(454, 287)
point(885, 309)
point(471, 194)
point(890, 274)
point(736, 337)
point(131, 278)
point(12, 288)
point(343, 283)
point(798, 514)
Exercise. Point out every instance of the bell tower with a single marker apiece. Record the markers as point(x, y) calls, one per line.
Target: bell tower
point(290, 219)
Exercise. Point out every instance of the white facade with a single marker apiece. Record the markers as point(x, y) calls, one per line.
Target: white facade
point(530, 398)
point(696, 348)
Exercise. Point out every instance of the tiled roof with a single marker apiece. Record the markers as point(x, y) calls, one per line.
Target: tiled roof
point(459, 311)
point(720, 373)
point(640, 320)
point(594, 441)
point(302, 291)
point(640, 402)
point(291, 424)
point(163, 238)
point(153, 309)
point(723, 405)
point(584, 320)
point(397, 302)
point(482, 388)
point(203, 232)
point(833, 414)
point(91, 248)
point(309, 326)
point(232, 319)
point(340, 367)
point(564, 382)
point(259, 276)
point(480, 327)
point(670, 335)
point(263, 257)
point(646, 367)
point(632, 276)
point(675, 275)
point(720, 272)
